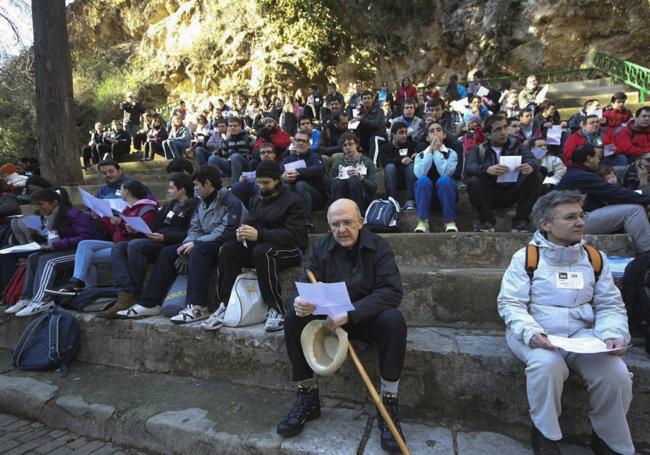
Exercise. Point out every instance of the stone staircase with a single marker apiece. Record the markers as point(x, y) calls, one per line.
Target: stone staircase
point(176, 389)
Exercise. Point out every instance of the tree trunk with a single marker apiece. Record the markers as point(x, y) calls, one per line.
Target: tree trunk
point(58, 148)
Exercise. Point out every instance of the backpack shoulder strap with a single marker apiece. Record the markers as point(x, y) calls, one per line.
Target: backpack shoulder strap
point(595, 259)
point(532, 260)
point(53, 339)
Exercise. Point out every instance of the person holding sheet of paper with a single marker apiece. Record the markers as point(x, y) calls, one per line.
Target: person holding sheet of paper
point(130, 259)
point(91, 252)
point(354, 175)
point(564, 296)
point(65, 227)
point(366, 263)
point(483, 168)
point(592, 133)
point(306, 181)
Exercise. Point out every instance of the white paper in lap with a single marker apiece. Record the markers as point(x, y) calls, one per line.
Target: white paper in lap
point(331, 299)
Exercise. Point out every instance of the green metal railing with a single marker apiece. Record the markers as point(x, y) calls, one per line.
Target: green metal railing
point(547, 77)
point(629, 73)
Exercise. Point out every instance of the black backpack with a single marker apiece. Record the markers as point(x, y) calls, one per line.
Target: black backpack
point(636, 293)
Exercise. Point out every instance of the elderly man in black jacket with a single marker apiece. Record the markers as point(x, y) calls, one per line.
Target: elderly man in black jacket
point(366, 263)
point(273, 239)
point(482, 171)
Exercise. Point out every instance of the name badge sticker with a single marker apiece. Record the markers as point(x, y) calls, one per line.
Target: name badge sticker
point(403, 152)
point(569, 280)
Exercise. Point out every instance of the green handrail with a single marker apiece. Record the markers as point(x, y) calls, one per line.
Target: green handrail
point(629, 73)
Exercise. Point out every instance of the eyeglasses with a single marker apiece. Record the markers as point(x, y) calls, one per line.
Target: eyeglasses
point(335, 226)
point(267, 152)
point(301, 141)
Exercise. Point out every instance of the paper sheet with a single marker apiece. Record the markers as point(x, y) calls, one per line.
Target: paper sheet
point(331, 299)
point(617, 265)
point(117, 204)
point(598, 112)
point(512, 162)
point(250, 176)
point(580, 345)
point(29, 247)
point(353, 124)
point(343, 172)
point(100, 206)
point(482, 92)
point(554, 135)
point(136, 224)
point(609, 150)
point(541, 96)
point(295, 165)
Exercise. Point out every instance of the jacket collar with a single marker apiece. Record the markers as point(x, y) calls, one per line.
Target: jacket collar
point(557, 254)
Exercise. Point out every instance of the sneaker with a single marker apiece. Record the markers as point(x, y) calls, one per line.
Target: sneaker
point(16, 307)
point(215, 321)
point(409, 205)
point(521, 226)
point(274, 321)
point(542, 445)
point(422, 226)
point(190, 314)
point(306, 407)
point(484, 226)
point(138, 311)
point(125, 300)
point(388, 442)
point(35, 308)
point(451, 227)
point(72, 287)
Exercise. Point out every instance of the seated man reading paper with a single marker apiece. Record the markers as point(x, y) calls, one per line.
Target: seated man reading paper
point(558, 286)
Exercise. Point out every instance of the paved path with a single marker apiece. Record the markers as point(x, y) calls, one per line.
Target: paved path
point(18, 436)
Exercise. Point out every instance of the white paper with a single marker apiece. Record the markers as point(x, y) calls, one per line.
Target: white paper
point(343, 172)
point(331, 299)
point(609, 150)
point(554, 135)
point(512, 162)
point(250, 176)
point(353, 124)
point(100, 206)
point(117, 204)
point(541, 96)
point(548, 181)
point(137, 224)
point(580, 345)
point(617, 265)
point(482, 92)
point(295, 165)
point(29, 247)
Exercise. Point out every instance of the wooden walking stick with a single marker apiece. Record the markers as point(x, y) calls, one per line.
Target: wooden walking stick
point(371, 388)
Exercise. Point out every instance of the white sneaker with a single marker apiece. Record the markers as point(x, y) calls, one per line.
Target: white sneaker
point(215, 321)
point(451, 227)
point(35, 308)
point(274, 321)
point(190, 314)
point(16, 307)
point(422, 226)
point(138, 311)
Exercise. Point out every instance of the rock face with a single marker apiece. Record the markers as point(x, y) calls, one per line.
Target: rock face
point(220, 46)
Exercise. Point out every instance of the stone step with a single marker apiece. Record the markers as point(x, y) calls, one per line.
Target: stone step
point(458, 374)
point(182, 415)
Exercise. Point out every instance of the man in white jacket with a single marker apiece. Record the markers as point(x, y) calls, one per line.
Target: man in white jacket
point(584, 306)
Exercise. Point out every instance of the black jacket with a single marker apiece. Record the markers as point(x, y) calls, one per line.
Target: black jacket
point(482, 156)
point(368, 270)
point(132, 112)
point(173, 220)
point(328, 143)
point(280, 219)
point(313, 173)
point(389, 154)
point(599, 193)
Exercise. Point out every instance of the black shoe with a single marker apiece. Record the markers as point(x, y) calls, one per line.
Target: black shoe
point(599, 447)
point(484, 226)
point(72, 287)
point(306, 407)
point(522, 226)
point(388, 442)
point(542, 445)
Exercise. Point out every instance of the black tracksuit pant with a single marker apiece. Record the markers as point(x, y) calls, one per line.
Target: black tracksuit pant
point(388, 330)
point(267, 259)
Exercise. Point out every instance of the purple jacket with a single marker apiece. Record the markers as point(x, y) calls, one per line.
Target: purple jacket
point(74, 228)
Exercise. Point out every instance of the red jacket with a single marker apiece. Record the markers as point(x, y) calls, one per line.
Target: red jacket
point(577, 139)
point(616, 118)
point(279, 138)
point(631, 140)
point(472, 139)
point(404, 93)
point(119, 233)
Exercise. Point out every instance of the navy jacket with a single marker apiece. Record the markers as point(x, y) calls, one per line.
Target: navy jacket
point(599, 193)
point(313, 173)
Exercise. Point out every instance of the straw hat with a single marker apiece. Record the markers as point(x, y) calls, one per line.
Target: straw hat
point(324, 351)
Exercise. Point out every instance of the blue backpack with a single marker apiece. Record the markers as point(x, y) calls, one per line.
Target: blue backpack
point(382, 215)
point(51, 341)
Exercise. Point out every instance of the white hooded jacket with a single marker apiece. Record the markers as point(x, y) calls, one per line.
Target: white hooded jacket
point(539, 306)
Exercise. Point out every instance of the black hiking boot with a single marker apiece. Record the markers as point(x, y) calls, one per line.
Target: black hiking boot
point(306, 407)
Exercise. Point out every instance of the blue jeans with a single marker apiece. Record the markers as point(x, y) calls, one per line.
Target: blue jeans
point(232, 166)
point(392, 180)
point(445, 193)
point(614, 160)
point(129, 262)
point(202, 156)
point(244, 191)
point(174, 148)
point(351, 188)
point(311, 197)
point(90, 252)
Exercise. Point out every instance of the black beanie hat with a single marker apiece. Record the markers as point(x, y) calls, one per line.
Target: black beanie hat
point(269, 168)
